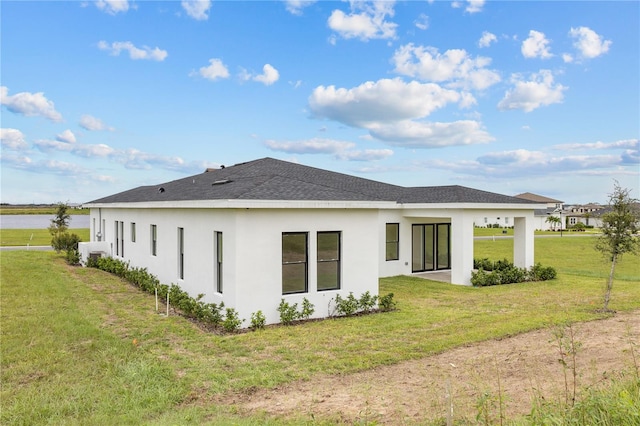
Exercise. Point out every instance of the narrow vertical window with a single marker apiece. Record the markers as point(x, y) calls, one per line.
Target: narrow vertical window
point(133, 232)
point(154, 240)
point(294, 262)
point(117, 241)
point(104, 230)
point(392, 241)
point(328, 260)
point(181, 253)
point(94, 229)
point(218, 263)
point(122, 239)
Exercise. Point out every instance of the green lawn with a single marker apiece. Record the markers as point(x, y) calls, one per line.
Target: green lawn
point(80, 346)
point(34, 237)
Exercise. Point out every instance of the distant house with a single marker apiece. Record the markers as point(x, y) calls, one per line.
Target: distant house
point(254, 233)
point(553, 207)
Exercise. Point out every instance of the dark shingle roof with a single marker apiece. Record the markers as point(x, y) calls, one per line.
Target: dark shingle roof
point(270, 179)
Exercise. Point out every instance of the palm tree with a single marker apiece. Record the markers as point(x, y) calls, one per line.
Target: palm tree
point(554, 221)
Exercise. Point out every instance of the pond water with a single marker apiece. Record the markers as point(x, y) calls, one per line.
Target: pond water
point(39, 221)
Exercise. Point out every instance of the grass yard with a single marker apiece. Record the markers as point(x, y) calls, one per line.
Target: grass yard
point(80, 346)
point(34, 237)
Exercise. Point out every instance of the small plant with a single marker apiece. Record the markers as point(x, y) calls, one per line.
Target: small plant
point(386, 303)
point(567, 350)
point(288, 313)
point(348, 306)
point(367, 302)
point(258, 320)
point(231, 321)
point(215, 313)
point(307, 309)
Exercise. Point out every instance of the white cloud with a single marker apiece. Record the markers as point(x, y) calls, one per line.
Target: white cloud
point(539, 91)
point(216, 70)
point(66, 136)
point(13, 139)
point(341, 150)
point(135, 53)
point(310, 146)
point(366, 21)
point(412, 134)
point(389, 110)
point(112, 7)
point(269, 75)
point(473, 6)
point(129, 158)
point(295, 6)
point(381, 101)
point(454, 66)
point(523, 163)
point(536, 46)
point(197, 9)
point(625, 143)
point(567, 58)
point(486, 39)
point(365, 155)
point(422, 22)
point(89, 122)
point(589, 43)
point(29, 104)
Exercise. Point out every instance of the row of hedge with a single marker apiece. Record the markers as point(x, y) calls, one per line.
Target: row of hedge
point(227, 319)
point(505, 272)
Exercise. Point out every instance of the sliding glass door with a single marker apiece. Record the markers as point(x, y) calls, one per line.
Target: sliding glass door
point(430, 247)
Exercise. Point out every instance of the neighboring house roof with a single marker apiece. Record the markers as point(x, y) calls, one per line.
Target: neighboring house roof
point(270, 179)
point(537, 198)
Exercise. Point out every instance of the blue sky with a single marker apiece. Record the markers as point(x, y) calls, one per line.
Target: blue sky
point(99, 97)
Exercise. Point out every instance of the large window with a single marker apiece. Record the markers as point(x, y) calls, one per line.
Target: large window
point(154, 240)
point(294, 262)
point(218, 263)
point(392, 241)
point(181, 253)
point(328, 260)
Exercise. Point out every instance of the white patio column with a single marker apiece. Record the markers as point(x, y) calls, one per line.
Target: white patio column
point(461, 247)
point(523, 241)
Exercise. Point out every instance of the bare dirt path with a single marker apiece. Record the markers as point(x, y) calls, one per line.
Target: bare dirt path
point(464, 379)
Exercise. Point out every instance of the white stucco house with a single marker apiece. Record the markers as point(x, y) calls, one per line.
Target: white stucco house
point(256, 232)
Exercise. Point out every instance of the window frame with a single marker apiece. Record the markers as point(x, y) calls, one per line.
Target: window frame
point(181, 253)
point(304, 262)
point(154, 239)
point(219, 251)
point(337, 261)
point(392, 242)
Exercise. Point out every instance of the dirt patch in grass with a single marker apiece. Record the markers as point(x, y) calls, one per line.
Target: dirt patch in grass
point(486, 379)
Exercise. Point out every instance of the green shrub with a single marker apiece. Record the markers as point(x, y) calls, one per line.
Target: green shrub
point(288, 313)
point(484, 263)
point(482, 278)
point(231, 321)
point(348, 306)
point(367, 302)
point(258, 320)
point(73, 257)
point(386, 303)
point(505, 272)
point(65, 241)
point(541, 273)
point(307, 309)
